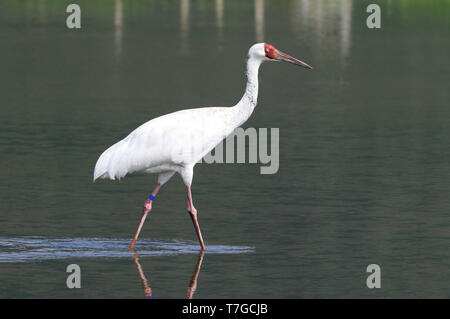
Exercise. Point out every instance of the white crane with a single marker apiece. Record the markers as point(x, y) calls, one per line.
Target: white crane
point(175, 142)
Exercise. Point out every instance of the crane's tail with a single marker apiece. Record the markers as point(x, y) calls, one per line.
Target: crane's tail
point(103, 167)
point(125, 157)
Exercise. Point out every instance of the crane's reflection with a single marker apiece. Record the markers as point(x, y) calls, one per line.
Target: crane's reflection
point(192, 285)
point(147, 288)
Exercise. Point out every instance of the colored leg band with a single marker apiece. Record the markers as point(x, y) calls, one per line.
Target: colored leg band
point(151, 197)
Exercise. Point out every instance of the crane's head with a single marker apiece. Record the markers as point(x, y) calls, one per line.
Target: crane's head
point(267, 52)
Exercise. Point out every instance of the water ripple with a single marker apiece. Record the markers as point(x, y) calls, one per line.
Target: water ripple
point(28, 249)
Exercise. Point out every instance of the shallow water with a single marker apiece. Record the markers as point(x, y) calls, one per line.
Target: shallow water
point(364, 158)
point(32, 249)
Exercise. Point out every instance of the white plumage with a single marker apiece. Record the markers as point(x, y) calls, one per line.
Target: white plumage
point(171, 142)
point(175, 142)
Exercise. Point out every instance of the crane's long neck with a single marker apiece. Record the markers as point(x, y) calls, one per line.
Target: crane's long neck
point(244, 108)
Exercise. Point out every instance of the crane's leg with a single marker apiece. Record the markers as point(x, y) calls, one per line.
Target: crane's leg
point(146, 210)
point(193, 212)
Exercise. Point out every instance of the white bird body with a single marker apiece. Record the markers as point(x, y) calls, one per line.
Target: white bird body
point(170, 142)
point(175, 142)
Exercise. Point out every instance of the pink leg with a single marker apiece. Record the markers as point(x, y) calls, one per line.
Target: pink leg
point(193, 212)
point(146, 210)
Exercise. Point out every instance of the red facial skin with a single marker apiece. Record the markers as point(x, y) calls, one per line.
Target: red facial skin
point(270, 51)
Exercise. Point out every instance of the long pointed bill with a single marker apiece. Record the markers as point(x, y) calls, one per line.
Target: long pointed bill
point(280, 56)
